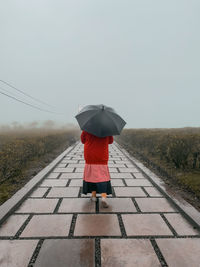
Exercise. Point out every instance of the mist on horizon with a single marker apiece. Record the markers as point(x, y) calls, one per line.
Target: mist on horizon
point(140, 57)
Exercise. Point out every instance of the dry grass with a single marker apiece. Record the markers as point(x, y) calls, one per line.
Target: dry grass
point(174, 153)
point(25, 150)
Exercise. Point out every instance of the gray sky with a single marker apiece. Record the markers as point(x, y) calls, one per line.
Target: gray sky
point(140, 57)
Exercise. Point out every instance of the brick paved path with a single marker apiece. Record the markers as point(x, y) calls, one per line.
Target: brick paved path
point(58, 226)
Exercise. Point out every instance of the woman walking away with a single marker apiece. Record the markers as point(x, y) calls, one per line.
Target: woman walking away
point(96, 177)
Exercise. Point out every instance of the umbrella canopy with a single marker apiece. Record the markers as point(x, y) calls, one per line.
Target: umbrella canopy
point(100, 120)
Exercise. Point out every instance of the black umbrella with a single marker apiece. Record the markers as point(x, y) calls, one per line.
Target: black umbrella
point(100, 120)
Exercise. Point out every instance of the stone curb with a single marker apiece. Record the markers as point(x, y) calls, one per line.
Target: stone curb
point(186, 209)
point(11, 204)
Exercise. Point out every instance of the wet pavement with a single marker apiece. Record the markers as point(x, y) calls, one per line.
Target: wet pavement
point(56, 225)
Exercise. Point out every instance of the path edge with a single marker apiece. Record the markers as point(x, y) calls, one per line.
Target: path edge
point(186, 209)
point(15, 201)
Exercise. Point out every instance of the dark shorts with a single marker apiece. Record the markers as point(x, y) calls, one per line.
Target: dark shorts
point(102, 187)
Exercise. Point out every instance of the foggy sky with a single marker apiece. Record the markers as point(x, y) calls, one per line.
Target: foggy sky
point(140, 57)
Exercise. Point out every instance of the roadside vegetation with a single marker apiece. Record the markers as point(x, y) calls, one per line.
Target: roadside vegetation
point(172, 153)
point(24, 151)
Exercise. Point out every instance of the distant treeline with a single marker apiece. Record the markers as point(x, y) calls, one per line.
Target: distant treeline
point(17, 149)
point(179, 147)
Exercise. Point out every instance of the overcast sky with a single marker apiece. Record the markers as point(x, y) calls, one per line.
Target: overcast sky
point(140, 57)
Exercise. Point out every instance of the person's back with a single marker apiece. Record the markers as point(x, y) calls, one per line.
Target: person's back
point(96, 178)
point(96, 148)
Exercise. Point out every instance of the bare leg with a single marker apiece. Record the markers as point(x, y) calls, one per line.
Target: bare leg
point(94, 193)
point(103, 200)
point(93, 197)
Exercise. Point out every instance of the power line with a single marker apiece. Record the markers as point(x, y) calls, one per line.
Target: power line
point(28, 104)
point(8, 84)
point(7, 91)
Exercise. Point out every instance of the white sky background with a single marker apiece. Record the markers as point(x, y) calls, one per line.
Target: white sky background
point(140, 57)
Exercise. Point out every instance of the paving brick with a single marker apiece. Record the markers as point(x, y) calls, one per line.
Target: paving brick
point(48, 225)
point(145, 225)
point(181, 226)
point(116, 165)
point(138, 182)
point(77, 158)
point(54, 182)
point(122, 161)
point(12, 225)
point(77, 165)
point(76, 182)
point(129, 253)
point(138, 175)
point(153, 192)
point(63, 192)
point(61, 165)
point(128, 169)
point(154, 205)
point(114, 252)
point(118, 205)
point(61, 170)
point(79, 170)
point(129, 192)
point(113, 157)
point(16, 253)
point(71, 176)
point(129, 164)
point(77, 205)
point(39, 192)
point(37, 205)
point(69, 161)
point(67, 252)
point(67, 157)
point(117, 182)
point(180, 252)
point(120, 175)
point(53, 175)
point(97, 225)
point(112, 170)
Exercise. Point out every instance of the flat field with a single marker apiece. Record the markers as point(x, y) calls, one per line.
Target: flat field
point(24, 152)
point(174, 154)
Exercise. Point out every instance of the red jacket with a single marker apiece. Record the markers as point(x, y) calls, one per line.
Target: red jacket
point(95, 148)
